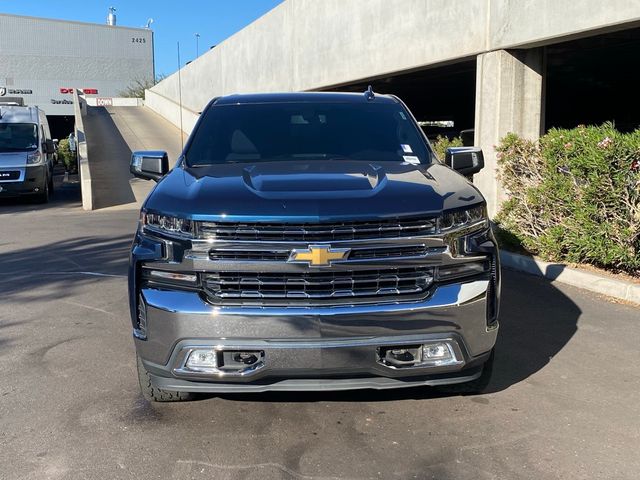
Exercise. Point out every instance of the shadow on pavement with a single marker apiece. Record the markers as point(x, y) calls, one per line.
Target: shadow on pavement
point(53, 271)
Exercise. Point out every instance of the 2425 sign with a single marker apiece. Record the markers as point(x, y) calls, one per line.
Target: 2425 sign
point(138, 40)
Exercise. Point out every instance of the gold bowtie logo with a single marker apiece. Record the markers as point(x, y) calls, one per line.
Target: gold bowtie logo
point(319, 255)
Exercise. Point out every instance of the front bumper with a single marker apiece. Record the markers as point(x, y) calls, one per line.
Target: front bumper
point(332, 348)
point(31, 178)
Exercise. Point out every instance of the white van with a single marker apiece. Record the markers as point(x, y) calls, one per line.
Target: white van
point(26, 153)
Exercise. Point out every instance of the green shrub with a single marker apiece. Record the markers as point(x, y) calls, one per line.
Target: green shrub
point(574, 195)
point(441, 144)
point(65, 155)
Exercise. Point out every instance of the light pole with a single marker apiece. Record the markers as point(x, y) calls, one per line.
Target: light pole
point(197, 45)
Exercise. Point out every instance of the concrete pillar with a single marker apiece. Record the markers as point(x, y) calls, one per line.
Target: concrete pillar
point(509, 98)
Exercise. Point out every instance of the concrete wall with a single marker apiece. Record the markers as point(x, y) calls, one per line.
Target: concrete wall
point(307, 44)
point(44, 55)
point(84, 173)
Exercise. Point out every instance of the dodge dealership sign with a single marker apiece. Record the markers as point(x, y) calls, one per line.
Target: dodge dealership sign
point(86, 91)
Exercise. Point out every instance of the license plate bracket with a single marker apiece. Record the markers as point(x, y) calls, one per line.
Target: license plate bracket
point(9, 175)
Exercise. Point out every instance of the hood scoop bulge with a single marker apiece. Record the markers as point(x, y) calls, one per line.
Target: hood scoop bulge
point(314, 178)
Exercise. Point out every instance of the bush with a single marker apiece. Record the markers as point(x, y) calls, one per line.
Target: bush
point(574, 195)
point(441, 144)
point(66, 156)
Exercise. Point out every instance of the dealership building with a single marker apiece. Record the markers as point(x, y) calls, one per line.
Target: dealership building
point(43, 60)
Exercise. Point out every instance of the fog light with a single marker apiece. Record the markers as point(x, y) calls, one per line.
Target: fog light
point(439, 353)
point(438, 350)
point(202, 359)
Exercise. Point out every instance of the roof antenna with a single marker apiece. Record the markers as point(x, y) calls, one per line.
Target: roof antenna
point(368, 94)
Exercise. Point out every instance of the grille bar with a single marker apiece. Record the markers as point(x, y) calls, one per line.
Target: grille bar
point(382, 252)
point(317, 232)
point(318, 285)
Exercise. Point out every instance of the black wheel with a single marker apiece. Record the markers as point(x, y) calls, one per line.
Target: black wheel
point(51, 186)
point(479, 385)
point(153, 394)
point(43, 197)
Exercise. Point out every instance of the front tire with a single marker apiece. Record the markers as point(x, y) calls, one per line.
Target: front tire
point(45, 195)
point(153, 394)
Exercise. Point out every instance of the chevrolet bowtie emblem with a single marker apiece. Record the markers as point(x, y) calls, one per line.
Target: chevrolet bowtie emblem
point(319, 255)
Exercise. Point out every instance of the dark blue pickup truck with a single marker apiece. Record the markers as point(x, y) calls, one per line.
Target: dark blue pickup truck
point(312, 241)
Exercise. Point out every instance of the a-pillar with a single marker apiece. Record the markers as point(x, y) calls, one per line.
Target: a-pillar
point(509, 98)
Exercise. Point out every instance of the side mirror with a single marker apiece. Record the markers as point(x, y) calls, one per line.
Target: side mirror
point(464, 160)
point(149, 165)
point(49, 147)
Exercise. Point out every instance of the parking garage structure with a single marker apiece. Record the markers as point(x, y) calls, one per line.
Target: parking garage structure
point(486, 66)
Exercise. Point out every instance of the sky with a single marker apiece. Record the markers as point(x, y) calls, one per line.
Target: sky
point(173, 20)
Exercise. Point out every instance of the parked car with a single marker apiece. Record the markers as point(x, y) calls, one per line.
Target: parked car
point(26, 153)
point(311, 241)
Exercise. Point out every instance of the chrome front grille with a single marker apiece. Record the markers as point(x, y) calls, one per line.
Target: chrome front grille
point(322, 232)
point(318, 285)
point(386, 260)
point(249, 255)
point(356, 253)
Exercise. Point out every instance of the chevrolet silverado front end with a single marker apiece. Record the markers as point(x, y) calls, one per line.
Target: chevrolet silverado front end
point(311, 241)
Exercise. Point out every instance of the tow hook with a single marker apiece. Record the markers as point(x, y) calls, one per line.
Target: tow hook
point(247, 358)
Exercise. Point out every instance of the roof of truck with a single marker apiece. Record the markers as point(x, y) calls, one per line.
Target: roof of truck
point(296, 97)
point(14, 114)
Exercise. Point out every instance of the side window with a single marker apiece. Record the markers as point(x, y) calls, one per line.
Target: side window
point(42, 135)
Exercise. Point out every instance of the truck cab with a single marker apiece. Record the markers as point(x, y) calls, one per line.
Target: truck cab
point(26, 153)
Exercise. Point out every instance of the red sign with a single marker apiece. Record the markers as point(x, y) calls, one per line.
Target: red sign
point(87, 91)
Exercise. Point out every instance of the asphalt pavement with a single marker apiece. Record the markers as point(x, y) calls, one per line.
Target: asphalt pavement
point(563, 402)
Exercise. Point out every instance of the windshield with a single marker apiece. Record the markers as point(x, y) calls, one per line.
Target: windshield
point(18, 137)
point(309, 131)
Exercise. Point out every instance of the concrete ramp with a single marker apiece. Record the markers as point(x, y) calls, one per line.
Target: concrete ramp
point(112, 133)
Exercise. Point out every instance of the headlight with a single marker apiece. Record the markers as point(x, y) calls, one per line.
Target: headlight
point(34, 158)
point(166, 224)
point(456, 219)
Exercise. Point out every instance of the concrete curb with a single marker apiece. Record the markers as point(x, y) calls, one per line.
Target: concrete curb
point(593, 282)
point(83, 158)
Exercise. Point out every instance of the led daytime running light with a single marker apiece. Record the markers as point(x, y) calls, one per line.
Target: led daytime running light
point(167, 224)
point(452, 220)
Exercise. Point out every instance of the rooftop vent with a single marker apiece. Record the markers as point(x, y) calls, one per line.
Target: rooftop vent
point(111, 17)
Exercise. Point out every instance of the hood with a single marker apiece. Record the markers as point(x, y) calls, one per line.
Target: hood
point(311, 191)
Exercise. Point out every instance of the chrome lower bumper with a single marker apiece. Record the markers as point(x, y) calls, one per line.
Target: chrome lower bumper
point(322, 344)
point(312, 384)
